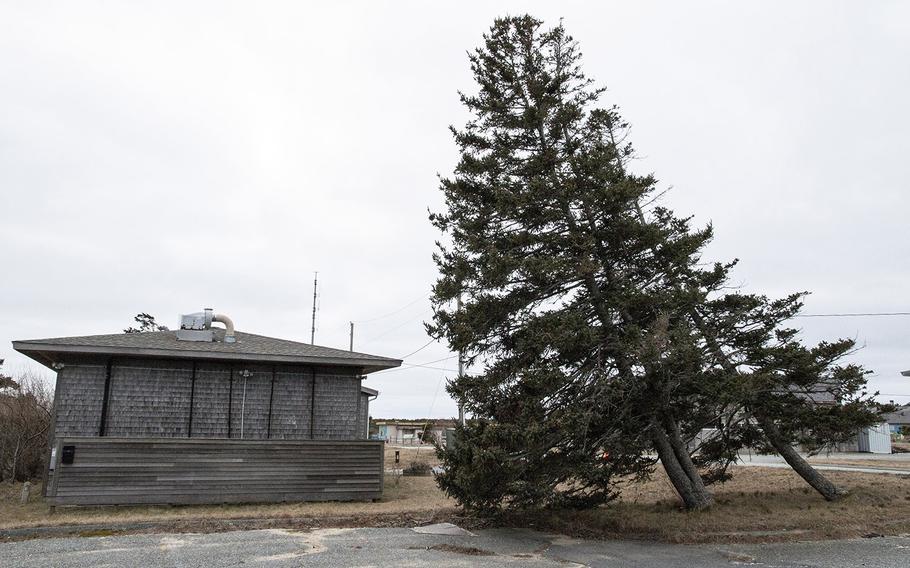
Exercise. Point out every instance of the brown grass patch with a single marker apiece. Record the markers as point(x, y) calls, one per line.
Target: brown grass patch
point(402, 495)
point(407, 456)
point(880, 464)
point(757, 505)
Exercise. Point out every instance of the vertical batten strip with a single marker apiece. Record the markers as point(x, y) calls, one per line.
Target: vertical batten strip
point(268, 427)
point(102, 425)
point(189, 426)
point(313, 403)
point(230, 399)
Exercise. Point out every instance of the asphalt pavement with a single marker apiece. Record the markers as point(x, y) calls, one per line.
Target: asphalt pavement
point(437, 547)
point(894, 464)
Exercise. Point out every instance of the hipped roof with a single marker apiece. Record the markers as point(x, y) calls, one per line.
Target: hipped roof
point(248, 347)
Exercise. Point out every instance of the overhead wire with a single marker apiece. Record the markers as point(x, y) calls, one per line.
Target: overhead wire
point(853, 315)
point(399, 326)
point(399, 310)
point(421, 348)
point(426, 365)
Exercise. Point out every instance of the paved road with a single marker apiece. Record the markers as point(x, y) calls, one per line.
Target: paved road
point(902, 461)
point(384, 547)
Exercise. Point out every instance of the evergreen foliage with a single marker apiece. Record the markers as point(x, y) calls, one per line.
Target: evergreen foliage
point(146, 323)
point(601, 335)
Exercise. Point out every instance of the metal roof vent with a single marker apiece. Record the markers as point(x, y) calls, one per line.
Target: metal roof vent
point(198, 326)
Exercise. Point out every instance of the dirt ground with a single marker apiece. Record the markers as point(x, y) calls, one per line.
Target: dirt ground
point(759, 504)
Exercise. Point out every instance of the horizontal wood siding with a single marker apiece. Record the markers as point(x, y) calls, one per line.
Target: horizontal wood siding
point(126, 471)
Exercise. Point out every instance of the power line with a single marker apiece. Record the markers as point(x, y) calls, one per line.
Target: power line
point(424, 346)
point(408, 367)
point(436, 361)
point(399, 326)
point(426, 365)
point(856, 315)
point(401, 309)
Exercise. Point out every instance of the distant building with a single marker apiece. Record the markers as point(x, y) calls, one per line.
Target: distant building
point(412, 432)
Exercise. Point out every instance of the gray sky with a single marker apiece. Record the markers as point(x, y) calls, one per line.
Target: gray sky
point(174, 156)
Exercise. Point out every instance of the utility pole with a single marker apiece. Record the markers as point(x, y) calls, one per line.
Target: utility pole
point(352, 337)
point(313, 326)
point(460, 373)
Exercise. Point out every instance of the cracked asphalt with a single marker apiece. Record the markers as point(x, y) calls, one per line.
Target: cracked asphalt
point(387, 547)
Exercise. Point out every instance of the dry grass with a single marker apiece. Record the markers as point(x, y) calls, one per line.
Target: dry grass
point(759, 504)
point(401, 495)
point(406, 456)
point(881, 464)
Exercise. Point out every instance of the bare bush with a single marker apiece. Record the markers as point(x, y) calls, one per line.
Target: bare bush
point(25, 416)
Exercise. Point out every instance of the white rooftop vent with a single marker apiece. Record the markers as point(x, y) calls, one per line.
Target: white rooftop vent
point(198, 326)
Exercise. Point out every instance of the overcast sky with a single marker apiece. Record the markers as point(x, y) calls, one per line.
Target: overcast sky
point(180, 155)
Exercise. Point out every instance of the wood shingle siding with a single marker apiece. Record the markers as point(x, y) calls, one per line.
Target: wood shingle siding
point(363, 421)
point(148, 399)
point(122, 471)
point(337, 401)
point(153, 398)
point(78, 399)
point(210, 401)
point(250, 404)
point(291, 398)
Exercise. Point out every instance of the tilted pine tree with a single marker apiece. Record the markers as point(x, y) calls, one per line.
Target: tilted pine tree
point(599, 333)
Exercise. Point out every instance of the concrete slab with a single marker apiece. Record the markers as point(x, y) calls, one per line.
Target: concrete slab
point(445, 529)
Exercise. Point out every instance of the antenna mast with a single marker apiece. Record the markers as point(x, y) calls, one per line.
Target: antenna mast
point(313, 326)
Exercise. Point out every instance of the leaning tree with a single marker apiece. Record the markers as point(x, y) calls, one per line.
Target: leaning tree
point(601, 334)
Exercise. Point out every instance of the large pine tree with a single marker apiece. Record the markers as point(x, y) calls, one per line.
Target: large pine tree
point(602, 337)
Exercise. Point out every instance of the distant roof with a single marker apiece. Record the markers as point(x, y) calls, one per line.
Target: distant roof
point(433, 422)
point(248, 347)
point(899, 416)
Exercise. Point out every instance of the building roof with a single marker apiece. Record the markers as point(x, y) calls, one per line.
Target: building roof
point(248, 347)
point(899, 416)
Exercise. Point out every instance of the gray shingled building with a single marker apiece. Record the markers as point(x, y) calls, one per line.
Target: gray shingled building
point(208, 415)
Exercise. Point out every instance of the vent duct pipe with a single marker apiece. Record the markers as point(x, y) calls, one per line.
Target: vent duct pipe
point(228, 327)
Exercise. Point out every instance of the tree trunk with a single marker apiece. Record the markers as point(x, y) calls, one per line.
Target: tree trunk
point(692, 498)
point(818, 481)
point(15, 465)
point(685, 460)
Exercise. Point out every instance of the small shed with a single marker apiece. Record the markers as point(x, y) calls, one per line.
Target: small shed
point(875, 439)
point(206, 415)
